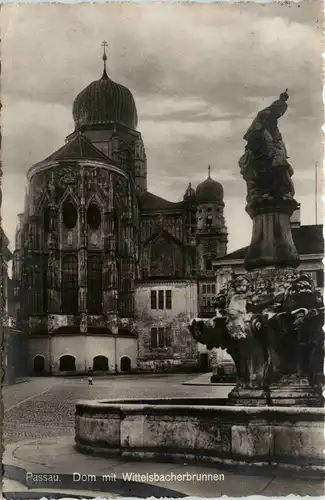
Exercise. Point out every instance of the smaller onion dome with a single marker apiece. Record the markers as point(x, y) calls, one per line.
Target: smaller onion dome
point(189, 193)
point(209, 191)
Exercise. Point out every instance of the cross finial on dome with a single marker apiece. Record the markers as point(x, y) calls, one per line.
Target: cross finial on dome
point(209, 171)
point(104, 44)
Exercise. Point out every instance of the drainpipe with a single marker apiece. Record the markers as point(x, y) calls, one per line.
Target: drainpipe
point(50, 354)
point(115, 354)
point(114, 328)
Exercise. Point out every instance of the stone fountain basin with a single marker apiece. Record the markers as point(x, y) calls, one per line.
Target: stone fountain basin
point(204, 429)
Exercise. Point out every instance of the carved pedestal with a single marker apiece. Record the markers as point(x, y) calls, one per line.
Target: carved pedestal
point(242, 396)
point(295, 391)
point(271, 243)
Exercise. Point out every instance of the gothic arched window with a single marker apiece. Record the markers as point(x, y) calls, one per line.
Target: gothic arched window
point(93, 216)
point(95, 287)
point(70, 287)
point(69, 215)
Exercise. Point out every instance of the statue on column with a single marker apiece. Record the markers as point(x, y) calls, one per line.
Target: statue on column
point(270, 320)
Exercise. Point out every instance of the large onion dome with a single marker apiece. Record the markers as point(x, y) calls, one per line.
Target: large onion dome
point(209, 191)
point(103, 102)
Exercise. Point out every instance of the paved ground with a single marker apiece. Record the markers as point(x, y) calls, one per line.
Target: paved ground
point(39, 432)
point(204, 379)
point(57, 456)
point(44, 407)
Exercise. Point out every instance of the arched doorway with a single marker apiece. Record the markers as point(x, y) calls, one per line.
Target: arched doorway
point(125, 364)
point(39, 364)
point(67, 363)
point(100, 364)
point(204, 362)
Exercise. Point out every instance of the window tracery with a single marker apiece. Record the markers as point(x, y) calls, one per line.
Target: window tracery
point(70, 287)
point(95, 285)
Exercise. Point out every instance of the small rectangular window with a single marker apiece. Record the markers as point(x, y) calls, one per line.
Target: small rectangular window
point(153, 299)
point(168, 336)
point(161, 337)
point(208, 265)
point(154, 337)
point(208, 288)
point(168, 299)
point(213, 289)
point(161, 299)
point(204, 289)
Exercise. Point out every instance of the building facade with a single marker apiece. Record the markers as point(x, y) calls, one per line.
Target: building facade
point(309, 242)
point(107, 274)
point(14, 346)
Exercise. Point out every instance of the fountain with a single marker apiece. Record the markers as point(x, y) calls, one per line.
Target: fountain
point(270, 321)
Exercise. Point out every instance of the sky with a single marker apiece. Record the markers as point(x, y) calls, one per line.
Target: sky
point(199, 73)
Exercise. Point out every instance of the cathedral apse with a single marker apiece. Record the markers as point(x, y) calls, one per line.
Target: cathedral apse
point(93, 244)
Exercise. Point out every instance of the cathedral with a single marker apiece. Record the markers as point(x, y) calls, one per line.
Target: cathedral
point(107, 274)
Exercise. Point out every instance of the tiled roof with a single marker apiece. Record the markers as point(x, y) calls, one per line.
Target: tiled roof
point(149, 201)
point(307, 239)
point(78, 148)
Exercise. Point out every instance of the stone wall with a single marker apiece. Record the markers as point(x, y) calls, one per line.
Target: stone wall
point(83, 348)
point(184, 429)
point(14, 355)
point(182, 347)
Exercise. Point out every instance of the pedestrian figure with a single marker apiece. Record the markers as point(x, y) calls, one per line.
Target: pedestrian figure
point(90, 376)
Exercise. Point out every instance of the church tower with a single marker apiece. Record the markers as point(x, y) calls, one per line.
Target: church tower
point(211, 237)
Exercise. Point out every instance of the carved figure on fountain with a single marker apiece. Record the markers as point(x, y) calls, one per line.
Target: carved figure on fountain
point(270, 322)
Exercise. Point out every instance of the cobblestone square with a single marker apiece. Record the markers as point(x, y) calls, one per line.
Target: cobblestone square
point(44, 407)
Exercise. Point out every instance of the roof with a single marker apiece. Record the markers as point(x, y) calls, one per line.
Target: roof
point(79, 147)
point(149, 201)
point(162, 233)
point(209, 191)
point(307, 239)
point(105, 101)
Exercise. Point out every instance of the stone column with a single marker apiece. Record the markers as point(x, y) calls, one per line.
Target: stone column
point(271, 243)
point(110, 271)
point(54, 265)
point(82, 256)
